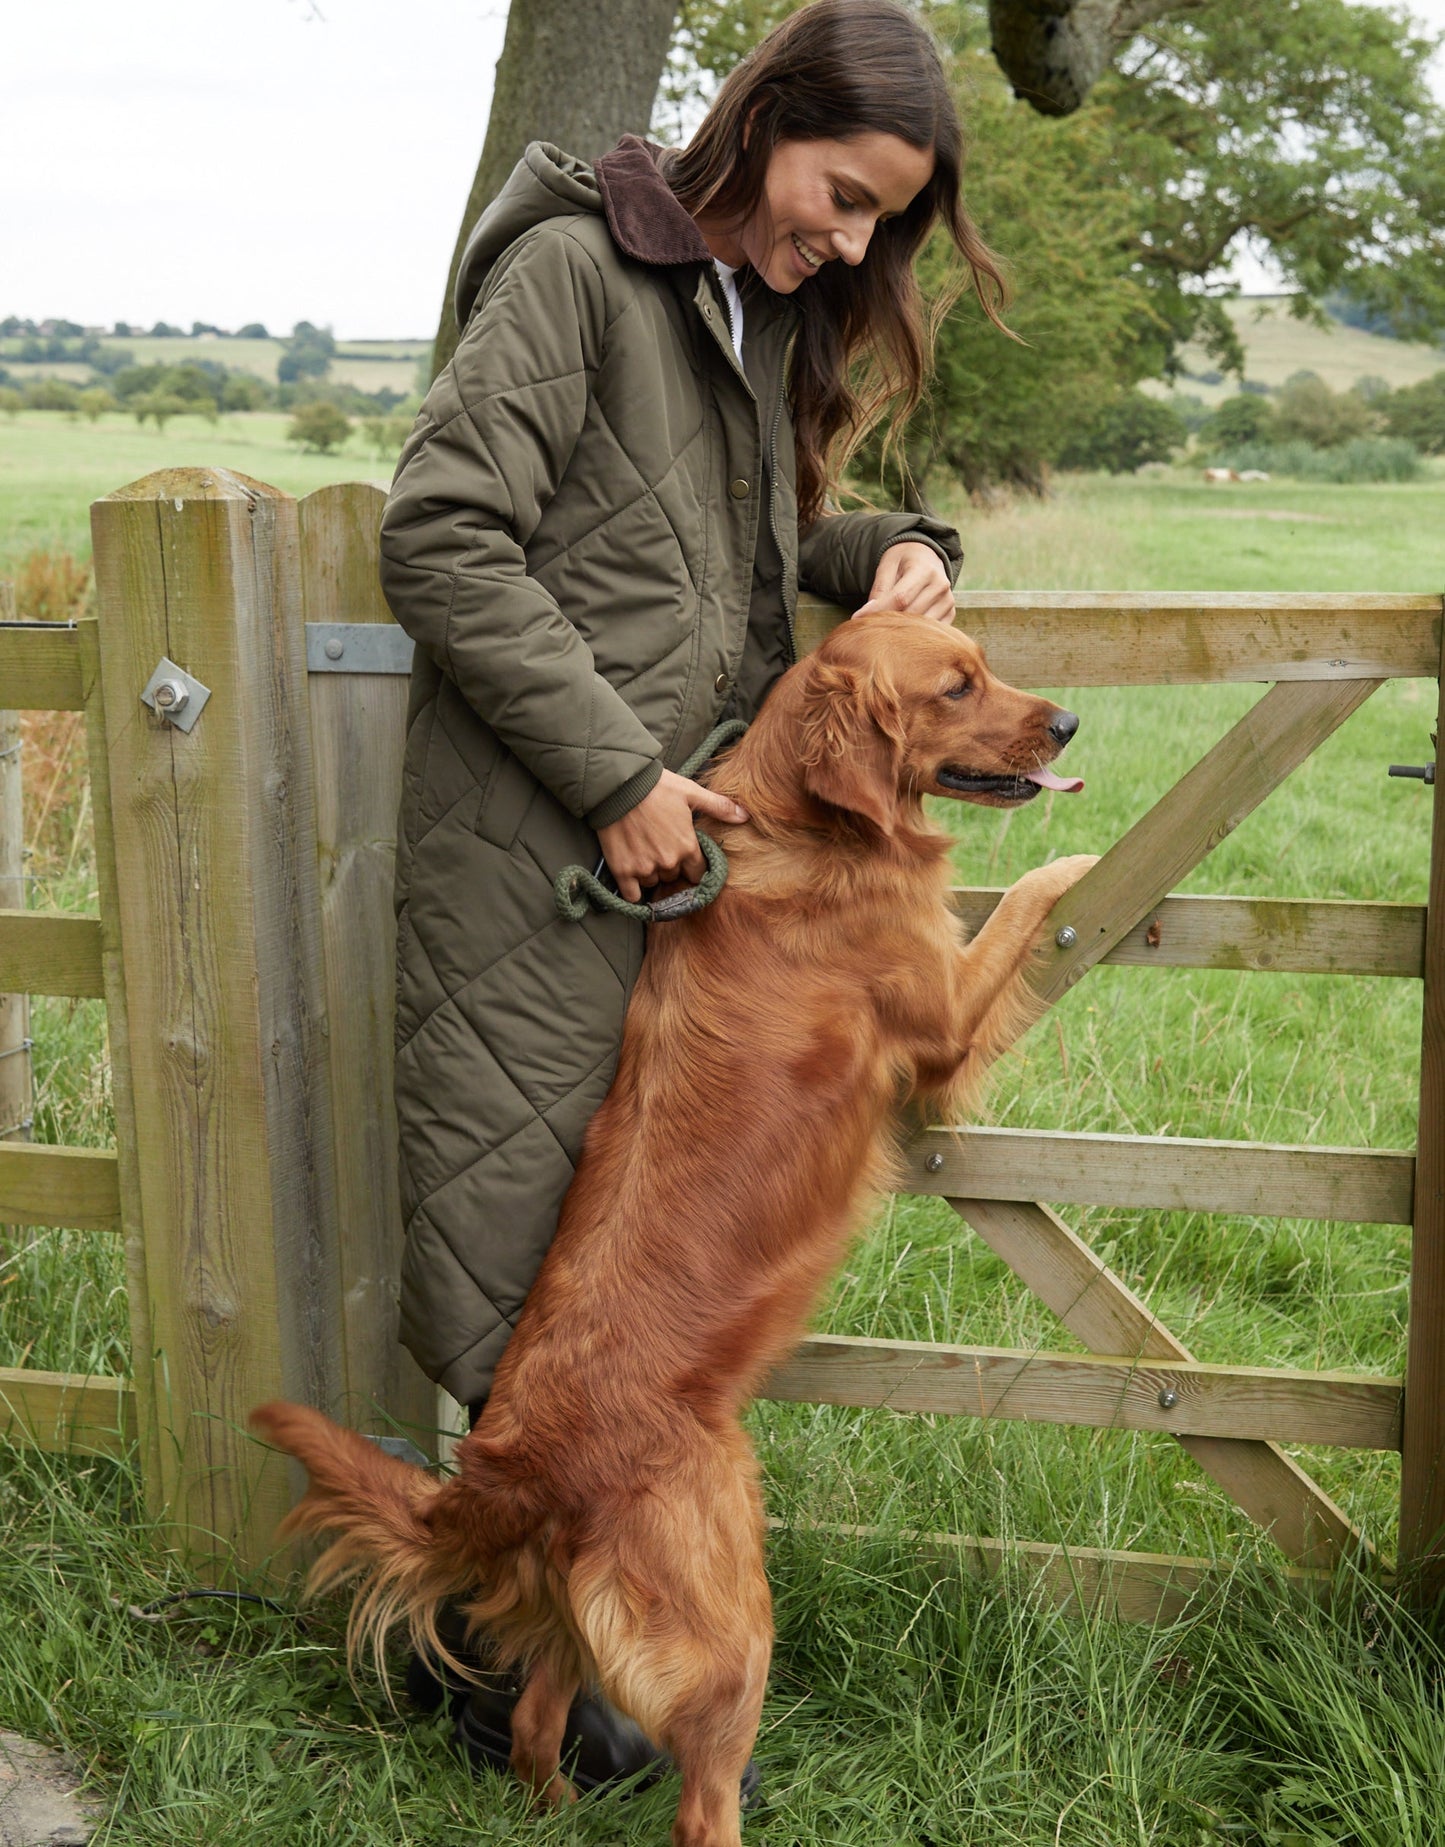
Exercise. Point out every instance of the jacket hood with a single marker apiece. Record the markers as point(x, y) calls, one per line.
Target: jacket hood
point(625, 186)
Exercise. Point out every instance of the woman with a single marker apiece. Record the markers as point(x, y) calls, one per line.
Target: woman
point(596, 536)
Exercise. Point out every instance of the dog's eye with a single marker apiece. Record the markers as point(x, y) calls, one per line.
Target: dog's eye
point(957, 692)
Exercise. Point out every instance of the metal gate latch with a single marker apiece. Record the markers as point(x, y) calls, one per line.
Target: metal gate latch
point(1424, 771)
point(175, 695)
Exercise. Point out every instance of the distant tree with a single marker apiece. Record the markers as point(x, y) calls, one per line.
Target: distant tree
point(65, 330)
point(386, 435)
point(253, 330)
point(200, 327)
point(1371, 389)
point(244, 391)
point(1306, 410)
point(1242, 419)
point(11, 402)
point(1125, 434)
point(51, 394)
point(164, 331)
point(319, 428)
point(1417, 413)
point(159, 407)
point(95, 402)
point(122, 330)
point(308, 353)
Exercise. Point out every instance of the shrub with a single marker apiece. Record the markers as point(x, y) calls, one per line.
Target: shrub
point(244, 391)
point(319, 428)
point(1417, 413)
point(1125, 434)
point(11, 401)
point(1308, 411)
point(159, 406)
point(1366, 458)
point(95, 402)
point(51, 394)
point(386, 435)
point(1242, 419)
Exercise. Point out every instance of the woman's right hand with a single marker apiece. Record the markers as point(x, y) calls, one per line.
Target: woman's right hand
point(656, 842)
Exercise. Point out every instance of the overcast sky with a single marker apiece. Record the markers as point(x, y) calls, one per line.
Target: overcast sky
point(275, 160)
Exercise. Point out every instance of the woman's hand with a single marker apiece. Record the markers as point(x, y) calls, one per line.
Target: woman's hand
point(911, 578)
point(656, 841)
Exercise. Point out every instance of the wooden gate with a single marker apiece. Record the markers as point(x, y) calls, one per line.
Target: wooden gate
point(1324, 656)
point(245, 952)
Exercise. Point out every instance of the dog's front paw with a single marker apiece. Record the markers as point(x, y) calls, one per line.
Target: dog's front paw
point(1072, 868)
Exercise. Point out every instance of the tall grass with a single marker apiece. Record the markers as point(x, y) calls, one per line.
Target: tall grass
point(908, 1705)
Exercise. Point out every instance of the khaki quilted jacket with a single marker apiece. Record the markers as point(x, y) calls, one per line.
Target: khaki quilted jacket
point(592, 538)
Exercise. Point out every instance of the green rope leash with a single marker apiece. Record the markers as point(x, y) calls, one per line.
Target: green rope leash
point(575, 888)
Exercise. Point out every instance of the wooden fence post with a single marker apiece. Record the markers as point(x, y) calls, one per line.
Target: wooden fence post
point(219, 947)
point(15, 1072)
point(1422, 1461)
point(358, 731)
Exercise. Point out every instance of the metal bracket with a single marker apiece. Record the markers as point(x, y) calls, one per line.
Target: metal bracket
point(358, 647)
point(174, 695)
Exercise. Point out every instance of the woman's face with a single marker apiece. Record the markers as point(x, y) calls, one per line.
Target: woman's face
point(821, 200)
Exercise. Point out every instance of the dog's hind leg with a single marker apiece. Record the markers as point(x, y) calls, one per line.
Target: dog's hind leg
point(677, 1616)
point(539, 1720)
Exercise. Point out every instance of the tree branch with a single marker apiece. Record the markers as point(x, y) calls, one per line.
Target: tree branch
point(1053, 52)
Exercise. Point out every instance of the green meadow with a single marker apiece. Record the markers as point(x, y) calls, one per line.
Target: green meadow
point(906, 1705)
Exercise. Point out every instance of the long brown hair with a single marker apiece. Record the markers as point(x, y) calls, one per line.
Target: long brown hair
point(834, 69)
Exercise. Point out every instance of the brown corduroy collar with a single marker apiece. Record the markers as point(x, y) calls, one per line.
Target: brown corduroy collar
point(643, 214)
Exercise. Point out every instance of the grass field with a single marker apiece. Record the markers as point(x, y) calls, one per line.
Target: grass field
point(370, 365)
point(1276, 345)
point(902, 1709)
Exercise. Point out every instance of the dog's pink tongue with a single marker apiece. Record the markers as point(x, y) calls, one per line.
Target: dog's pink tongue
point(1046, 779)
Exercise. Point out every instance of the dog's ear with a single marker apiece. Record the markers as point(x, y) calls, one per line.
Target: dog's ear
point(851, 742)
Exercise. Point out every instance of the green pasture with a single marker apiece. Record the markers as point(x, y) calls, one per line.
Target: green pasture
point(903, 1709)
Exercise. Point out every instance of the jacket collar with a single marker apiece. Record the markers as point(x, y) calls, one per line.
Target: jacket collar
point(643, 213)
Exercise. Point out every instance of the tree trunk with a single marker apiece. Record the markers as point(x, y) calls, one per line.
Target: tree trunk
point(578, 73)
point(1053, 52)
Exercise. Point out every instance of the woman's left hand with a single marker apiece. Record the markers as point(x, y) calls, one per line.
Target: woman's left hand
point(911, 578)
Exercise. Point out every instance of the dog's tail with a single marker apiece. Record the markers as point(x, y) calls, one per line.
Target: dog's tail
point(400, 1532)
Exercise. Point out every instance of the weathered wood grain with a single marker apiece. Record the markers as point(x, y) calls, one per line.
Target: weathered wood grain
point(71, 1413)
point(1168, 1172)
point(39, 667)
point(1272, 935)
point(1422, 1469)
point(71, 1187)
point(1186, 638)
point(358, 726)
point(1186, 824)
point(50, 953)
point(214, 836)
point(1351, 1410)
point(1100, 1309)
point(15, 1070)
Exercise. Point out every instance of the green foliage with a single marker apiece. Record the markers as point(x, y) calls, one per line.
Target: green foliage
point(1307, 411)
point(253, 330)
point(386, 435)
point(319, 427)
point(308, 354)
point(51, 394)
point(161, 406)
point(1417, 413)
point(244, 391)
point(95, 402)
point(1126, 434)
point(1241, 419)
point(11, 402)
point(1363, 458)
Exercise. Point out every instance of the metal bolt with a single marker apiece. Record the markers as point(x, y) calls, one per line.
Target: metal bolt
point(335, 649)
point(1067, 937)
point(1168, 1399)
point(934, 1163)
point(171, 696)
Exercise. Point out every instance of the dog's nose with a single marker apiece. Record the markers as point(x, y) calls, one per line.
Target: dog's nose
point(1063, 726)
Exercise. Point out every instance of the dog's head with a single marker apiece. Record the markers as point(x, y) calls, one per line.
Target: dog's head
point(894, 707)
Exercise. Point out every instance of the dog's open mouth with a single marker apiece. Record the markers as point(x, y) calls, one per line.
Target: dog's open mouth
point(1020, 788)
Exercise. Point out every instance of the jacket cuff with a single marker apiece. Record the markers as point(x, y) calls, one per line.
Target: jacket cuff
point(622, 801)
point(952, 558)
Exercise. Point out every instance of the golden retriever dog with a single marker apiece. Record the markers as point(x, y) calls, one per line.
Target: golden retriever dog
point(604, 1526)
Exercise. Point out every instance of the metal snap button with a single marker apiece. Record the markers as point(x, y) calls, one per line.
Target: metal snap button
point(721, 683)
point(738, 489)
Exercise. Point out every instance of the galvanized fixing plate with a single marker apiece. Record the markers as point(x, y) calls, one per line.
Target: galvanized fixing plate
point(357, 647)
point(182, 696)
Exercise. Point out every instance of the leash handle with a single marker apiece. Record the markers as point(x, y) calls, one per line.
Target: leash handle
point(575, 888)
